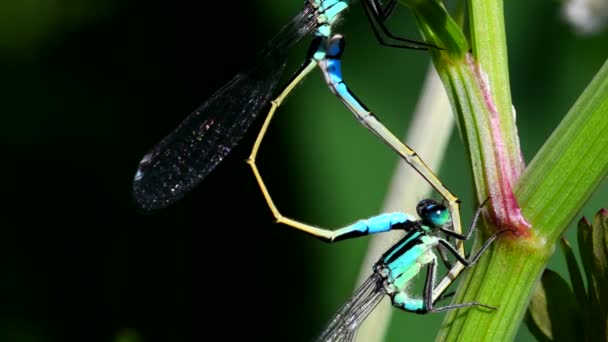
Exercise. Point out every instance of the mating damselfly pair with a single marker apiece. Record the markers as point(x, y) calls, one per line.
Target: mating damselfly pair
point(188, 154)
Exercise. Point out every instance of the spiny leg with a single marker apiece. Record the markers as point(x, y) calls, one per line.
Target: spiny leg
point(454, 272)
point(376, 15)
point(426, 303)
point(462, 264)
point(383, 12)
point(445, 296)
point(331, 68)
point(477, 255)
point(444, 256)
point(472, 226)
point(429, 286)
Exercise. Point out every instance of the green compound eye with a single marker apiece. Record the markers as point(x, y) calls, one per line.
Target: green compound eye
point(439, 216)
point(433, 213)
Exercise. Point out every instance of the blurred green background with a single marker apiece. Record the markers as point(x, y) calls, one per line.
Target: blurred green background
point(88, 87)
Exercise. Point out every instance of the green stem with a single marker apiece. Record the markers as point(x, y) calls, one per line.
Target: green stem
point(485, 115)
point(538, 206)
point(562, 176)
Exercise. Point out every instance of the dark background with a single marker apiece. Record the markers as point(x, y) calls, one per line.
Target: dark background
point(88, 87)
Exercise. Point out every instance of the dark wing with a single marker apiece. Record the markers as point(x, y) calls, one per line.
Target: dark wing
point(346, 321)
point(189, 153)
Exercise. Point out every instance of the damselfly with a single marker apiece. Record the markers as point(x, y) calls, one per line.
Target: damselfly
point(397, 267)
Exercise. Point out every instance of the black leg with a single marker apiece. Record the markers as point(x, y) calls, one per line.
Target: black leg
point(428, 294)
point(385, 12)
point(472, 226)
point(444, 256)
point(462, 305)
point(445, 296)
point(429, 285)
point(477, 255)
point(372, 9)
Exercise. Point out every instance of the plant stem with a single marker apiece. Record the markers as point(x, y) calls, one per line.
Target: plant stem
point(562, 176)
point(549, 194)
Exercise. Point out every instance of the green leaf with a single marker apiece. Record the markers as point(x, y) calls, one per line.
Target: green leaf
point(593, 250)
point(576, 279)
point(438, 28)
point(600, 258)
point(553, 314)
point(586, 252)
point(603, 216)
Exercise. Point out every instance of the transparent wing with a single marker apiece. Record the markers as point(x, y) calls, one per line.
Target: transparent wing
point(346, 321)
point(188, 154)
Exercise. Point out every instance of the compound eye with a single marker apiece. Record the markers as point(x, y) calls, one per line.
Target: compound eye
point(433, 213)
point(439, 216)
